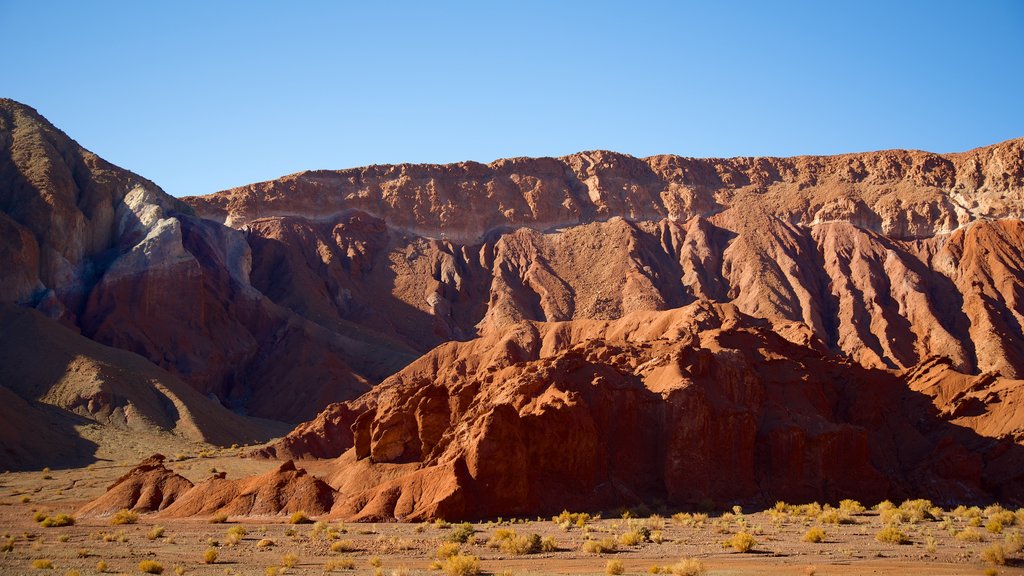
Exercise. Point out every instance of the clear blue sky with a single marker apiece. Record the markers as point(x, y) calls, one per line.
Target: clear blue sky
point(205, 95)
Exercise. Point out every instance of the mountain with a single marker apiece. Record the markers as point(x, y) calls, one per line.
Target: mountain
point(470, 339)
point(888, 257)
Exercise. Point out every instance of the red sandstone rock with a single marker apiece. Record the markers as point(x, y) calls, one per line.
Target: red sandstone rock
point(285, 490)
point(149, 487)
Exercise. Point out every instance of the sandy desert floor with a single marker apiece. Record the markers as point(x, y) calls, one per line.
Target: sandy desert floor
point(400, 549)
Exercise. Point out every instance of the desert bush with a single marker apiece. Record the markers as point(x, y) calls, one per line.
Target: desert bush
point(634, 537)
point(83, 553)
point(155, 532)
point(917, 510)
point(815, 535)
point(548, 544)
point(151, 567)
point(289, 560)
point(834, 516)
point(461, 533)
point(567, 520)
point(461, 565)
point(340, 564)
point(741, 542)
point(210, 556)
point(8, 545)
point(343, 546)
point(1014, 542)
point(686, 567)
point(265, 543)
point(39, 515)
point(891, 535)
point(42, 564)
point(884, 505)
point(614, 567)
point(931, 545)
point(299, 517)
point(994, 554)
point(272, 571)
point(446, 550)
point(57, 521)
point(851, 507)
point(124, 517)
point(969, 534)
point(235, 534)
point(375, 561)
point(604, 546)
point(521, 544)
point(101, 567)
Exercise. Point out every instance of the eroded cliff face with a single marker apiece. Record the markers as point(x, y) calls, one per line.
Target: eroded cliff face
point(700, 404)
point(878, 253)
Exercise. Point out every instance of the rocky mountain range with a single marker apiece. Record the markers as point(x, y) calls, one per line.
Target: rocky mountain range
point(534, 333)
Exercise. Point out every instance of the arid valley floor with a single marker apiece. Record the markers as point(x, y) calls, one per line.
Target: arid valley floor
point(954, 544)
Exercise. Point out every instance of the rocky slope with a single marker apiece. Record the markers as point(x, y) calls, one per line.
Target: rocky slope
point(890, 257)
point(109, 254)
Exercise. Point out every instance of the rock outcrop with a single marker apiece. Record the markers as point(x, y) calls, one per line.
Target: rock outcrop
point(700, 405)
point(284, 490)
point(148, 487)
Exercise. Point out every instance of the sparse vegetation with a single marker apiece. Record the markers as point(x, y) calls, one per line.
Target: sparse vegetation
point(151, 567)
point(815, 535)
point(210, 556)
point(42, 564)
point(614, 567)
point(461, 533)
point(461, 565)
point(340, 564)
point(741, 542)
point(969, 534)
point(343, 546)
point(124, 517)
point(994, 554)
point(686, 567)
point(155, 532)
point(891, 535)
point(605, 546)
point(218, 518)
point(57, 521)
point(299, 517)
point(290, 560)
point(265, 543)
point(101, 567)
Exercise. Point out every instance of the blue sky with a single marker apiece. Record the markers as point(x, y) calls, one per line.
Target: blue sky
point(201, 96)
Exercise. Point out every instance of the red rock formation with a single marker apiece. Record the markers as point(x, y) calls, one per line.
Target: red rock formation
point(284, 490)
point(701, 404)
point(149, 487)
point(108, 253)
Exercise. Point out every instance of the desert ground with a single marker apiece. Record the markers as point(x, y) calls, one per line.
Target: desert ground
point(967, 541)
